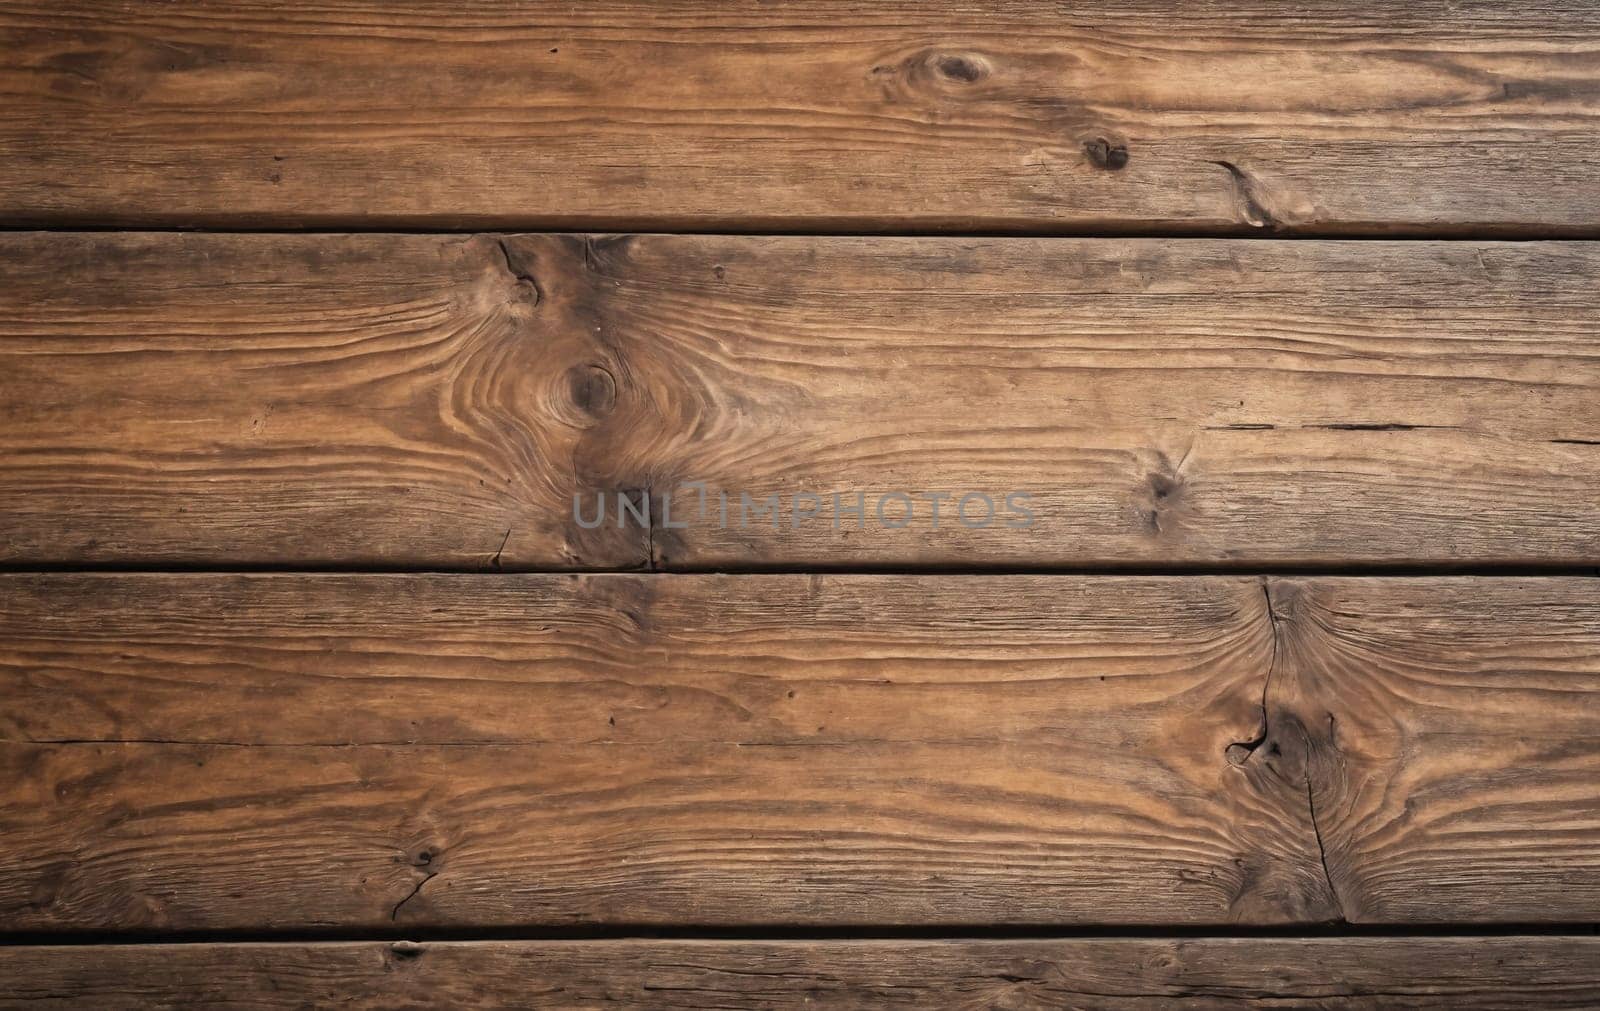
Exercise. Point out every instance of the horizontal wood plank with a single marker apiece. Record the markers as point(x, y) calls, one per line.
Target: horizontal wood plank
point(467, 402)
point(1335, 116)
point(276, 751)
point(1191, 974)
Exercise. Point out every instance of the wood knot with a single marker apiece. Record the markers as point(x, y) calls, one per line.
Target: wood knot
point(1105, 154)
point(961, 68)
point(592, 390)
point(931, 74)
point(1163, 500)
point(406, 951)
point(1163, 487)
point(1281, 750)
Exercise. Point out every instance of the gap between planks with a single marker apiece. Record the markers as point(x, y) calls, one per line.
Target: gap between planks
point(413, 933)
point(1199, 569)
point(635, 227)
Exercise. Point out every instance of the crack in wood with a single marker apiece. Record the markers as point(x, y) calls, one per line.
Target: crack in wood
point(1322, 849)
point(520, 274)
point(494, 562)
point(1240, 752)
point(394, 913)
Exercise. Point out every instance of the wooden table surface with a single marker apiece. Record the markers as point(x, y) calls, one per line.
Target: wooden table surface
point(1250, 351)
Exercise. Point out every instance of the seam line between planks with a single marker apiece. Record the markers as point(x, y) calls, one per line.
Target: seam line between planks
point(1386, 570)
point(650, 932)
point(1464, 235)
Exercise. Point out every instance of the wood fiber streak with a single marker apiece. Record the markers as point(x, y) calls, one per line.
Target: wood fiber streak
point(281, 752)
point(1339, 974)
point(415, 401)
point(1345, 116)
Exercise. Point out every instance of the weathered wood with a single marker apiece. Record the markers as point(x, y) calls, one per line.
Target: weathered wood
point(1495, 973)
point(630, 749)
point(275, 751)
point(1447, 735)
point(1342, 115)
point(403, 401)
point(372, 401)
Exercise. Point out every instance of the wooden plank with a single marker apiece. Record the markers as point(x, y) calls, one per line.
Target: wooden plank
point(278, 752)
point(420, 401)
point(1336, 116)
point(562, 750)
point(1192, 974)
point(244, 400)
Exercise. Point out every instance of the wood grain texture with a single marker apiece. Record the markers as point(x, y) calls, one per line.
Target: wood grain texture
point(416, 401)
point(372, 401)
point(1447, 733)
point(254, 752)
point(1338, 115)
point(1194, 975)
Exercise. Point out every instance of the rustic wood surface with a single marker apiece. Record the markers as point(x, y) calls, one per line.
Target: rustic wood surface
point(282, 751)
point(1354, 115)
point(436, 401)
point(365, 675)
point(1193, 974)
